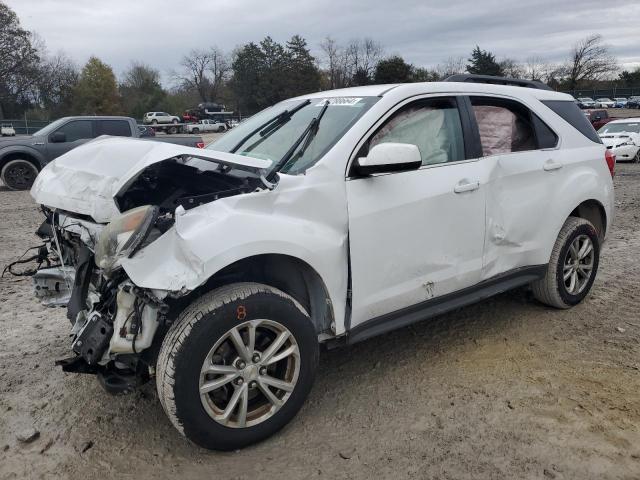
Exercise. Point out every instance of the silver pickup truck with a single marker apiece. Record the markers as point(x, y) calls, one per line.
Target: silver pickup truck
point(22, 157)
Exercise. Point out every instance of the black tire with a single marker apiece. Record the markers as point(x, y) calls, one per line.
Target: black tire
point(19, 174)
point(221, 129)
point(552, 290)
point(195, 131)
point(636, 158)
point(154, 122)
point(172, 130)
point(174, 121)
point(189, 341)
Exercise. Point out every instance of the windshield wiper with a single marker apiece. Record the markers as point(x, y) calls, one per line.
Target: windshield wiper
point(270, 125)
point(308, 133)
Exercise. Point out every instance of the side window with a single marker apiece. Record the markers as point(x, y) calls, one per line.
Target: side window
point(433, 125)
point(505, 126)
point(117, 128)
point(77, 130)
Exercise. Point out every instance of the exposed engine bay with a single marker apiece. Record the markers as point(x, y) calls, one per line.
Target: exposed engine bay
point(117, 327)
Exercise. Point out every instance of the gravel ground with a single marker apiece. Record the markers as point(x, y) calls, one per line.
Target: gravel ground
point(504, 389)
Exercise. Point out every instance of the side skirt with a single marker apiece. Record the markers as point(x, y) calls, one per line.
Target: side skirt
point(439, 305)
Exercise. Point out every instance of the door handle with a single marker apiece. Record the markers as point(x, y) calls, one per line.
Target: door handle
point(550, 165)
point(466, 186)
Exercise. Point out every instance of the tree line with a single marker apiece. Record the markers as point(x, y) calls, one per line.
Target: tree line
point(255, 75)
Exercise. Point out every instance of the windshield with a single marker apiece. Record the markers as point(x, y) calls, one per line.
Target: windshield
point(50, 128)
point(274, 143)
point(620, 127)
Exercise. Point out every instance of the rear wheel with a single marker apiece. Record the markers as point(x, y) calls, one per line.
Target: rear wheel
point(154, 122)
point(636, 158)
point(572, 267)
point(237, 365)
point(19, 174)
point(195, 130)
point(174, 121)
point(172, 130)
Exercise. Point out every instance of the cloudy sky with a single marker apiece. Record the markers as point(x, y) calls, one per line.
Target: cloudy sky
point(424, 32)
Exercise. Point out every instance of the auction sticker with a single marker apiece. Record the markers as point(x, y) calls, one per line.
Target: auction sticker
point(340, 101)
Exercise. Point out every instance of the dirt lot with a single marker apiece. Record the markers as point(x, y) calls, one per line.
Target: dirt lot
point(505, 389)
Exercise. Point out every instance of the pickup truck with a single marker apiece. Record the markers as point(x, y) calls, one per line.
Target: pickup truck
point(206, 126)
point(22, 157)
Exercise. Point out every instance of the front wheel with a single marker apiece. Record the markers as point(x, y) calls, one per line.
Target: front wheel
point(19, 174)
point(237, 365)
point(572, 267)
point(636, 157)
point(195, 131)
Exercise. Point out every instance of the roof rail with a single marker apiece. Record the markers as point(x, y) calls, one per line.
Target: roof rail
point(515, 82)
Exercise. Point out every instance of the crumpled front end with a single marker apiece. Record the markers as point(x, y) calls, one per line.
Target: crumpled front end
point(99, 214)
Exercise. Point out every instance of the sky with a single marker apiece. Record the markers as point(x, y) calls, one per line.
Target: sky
point(424, 32)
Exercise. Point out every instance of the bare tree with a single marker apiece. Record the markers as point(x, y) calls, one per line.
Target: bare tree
point(363, 56)
point(451, 66)
point(219, 68)
point(511, 68)
point(590, 60)
point(335, 63)
point(194, 72)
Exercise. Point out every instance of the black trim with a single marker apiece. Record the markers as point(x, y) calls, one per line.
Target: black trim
point(514, 82)
point(360, 171)
point(437, 306)
point(473, 145)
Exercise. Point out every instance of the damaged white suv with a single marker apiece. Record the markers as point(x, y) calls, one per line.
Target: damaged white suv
point(325, 219)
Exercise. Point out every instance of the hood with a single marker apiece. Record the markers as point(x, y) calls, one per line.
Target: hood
point(614, 139)
point(86, 179)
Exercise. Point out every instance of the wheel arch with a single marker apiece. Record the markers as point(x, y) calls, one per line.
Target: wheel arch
point(6, 157)
point(290, 274)
point(593, 211)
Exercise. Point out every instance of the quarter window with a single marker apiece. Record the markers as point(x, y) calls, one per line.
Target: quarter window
point(433, 125)
point(77, 130)
point(506, 126)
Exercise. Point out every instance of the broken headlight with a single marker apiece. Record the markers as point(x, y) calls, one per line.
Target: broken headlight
point(123, 236)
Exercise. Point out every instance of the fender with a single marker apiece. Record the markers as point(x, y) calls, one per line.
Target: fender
point(208, 238)
point(24, 149)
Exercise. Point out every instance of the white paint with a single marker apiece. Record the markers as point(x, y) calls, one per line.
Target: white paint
point(412, 235)
point(391, 154)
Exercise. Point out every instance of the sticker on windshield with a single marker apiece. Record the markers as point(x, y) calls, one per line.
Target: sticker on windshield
point(340, 101)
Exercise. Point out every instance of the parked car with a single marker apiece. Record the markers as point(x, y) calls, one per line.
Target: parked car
point(633, 102)
point(598, 118)
point(325, 219)
point(586, 102)
point(7, 130)
point(206, 126)
point(604, 103)
point(620, 102)
point(23, 157)
point(146, 131)
point(155, 118)
point(622, 137)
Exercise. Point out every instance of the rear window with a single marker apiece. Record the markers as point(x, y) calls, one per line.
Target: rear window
point(116, 128)
point(570, 112)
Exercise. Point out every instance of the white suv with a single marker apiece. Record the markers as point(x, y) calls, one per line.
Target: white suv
point(325, 219)
point(155, 118)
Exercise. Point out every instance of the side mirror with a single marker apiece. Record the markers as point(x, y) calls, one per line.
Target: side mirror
point(388, 158)
point(58, 137)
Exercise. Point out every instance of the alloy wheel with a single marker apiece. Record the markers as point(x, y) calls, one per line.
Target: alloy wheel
point(249, 373)
point(578, 264)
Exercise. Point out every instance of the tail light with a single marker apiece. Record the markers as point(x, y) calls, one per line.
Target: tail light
point(201, 145)
point(611, 161)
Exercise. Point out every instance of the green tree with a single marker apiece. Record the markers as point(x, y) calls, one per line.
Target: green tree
point(303, 74)
point(393, 70)
point(424, 75)
point(630, 79)
point(141, 90)
point(19, 64)
point(97, 91)
point(483, 62)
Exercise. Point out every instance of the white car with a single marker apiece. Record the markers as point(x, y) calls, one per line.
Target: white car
point(620, 102)
point(325, 219)
point(622, 138)
point(155, 118)
point(7, 130)
point(204, 126)
point(586, 102)
point(604, 103)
